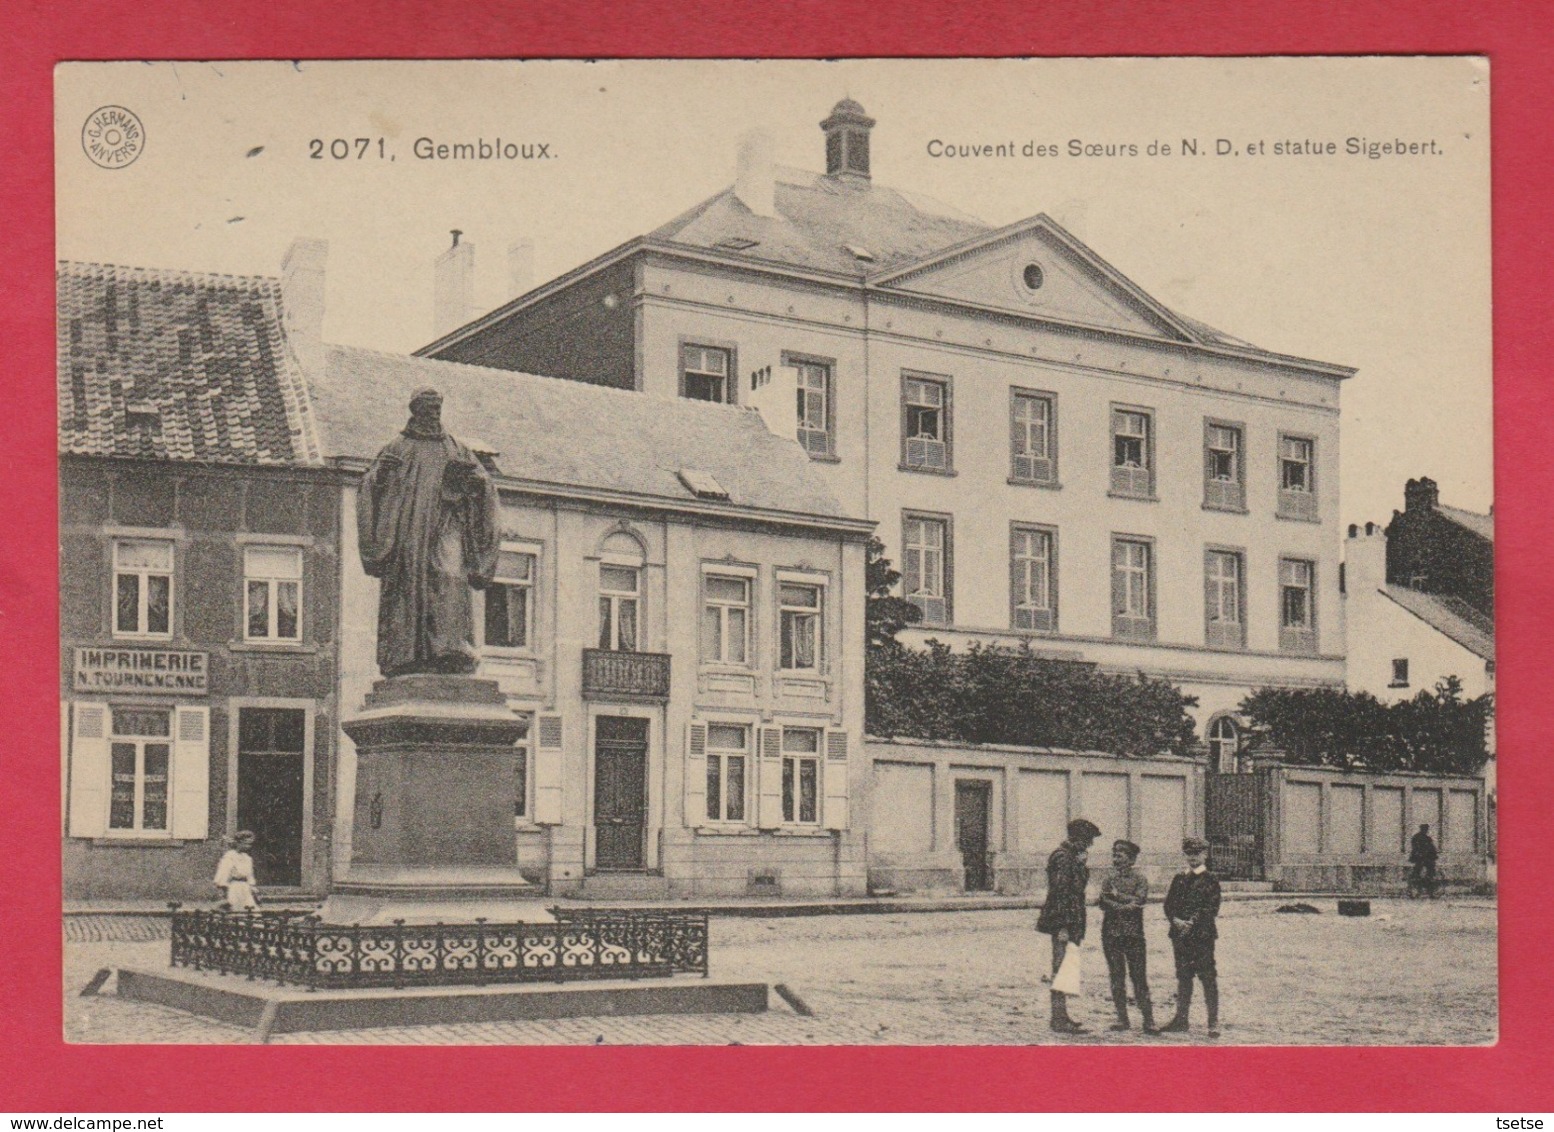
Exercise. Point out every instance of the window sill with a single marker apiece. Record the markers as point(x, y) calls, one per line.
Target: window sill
point(1050, 485)
point(1299, 652)
point(138, 841)
point(948, 472)
point(1395, 685)
point(496, 652)
point(727, 831)
point(1151, 498)
point(1226, 510)
point(278, 647)
point(825, 457)
point(1312, 519)
point(143, 639)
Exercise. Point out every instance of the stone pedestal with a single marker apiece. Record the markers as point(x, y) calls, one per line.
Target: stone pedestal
point(433, 839)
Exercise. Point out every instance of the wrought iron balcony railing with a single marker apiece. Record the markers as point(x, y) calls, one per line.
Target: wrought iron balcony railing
point(625, 675)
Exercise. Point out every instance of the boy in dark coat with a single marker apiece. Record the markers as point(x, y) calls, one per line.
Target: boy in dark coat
point(1191, 906)
point(1063, 915)
point(1124, 893)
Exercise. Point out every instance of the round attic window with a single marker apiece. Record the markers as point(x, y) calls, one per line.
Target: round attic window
point(1032, 277)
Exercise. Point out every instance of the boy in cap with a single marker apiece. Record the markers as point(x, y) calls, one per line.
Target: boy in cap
point(1191, 906)
point(1063, 915)
point(1124, 893)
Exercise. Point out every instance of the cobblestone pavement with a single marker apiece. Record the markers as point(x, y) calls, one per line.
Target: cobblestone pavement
point(1412, 973)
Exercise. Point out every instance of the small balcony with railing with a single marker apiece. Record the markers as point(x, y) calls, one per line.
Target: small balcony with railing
point(633, 676)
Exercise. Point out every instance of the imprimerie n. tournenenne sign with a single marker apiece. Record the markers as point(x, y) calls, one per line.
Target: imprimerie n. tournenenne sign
point(141, 670)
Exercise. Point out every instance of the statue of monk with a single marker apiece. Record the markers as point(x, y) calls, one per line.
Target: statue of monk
point(427, 520)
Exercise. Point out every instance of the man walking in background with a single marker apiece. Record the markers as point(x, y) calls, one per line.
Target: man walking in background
point(1422, 854)
point(1063, 915)
point(1192, 905)
point(1124, 893)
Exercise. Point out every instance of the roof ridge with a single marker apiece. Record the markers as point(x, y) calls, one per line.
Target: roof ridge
point(692, 404)
point(88, 267)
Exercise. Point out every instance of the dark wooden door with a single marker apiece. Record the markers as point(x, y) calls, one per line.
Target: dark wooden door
point(620, 793)
point(270, 790)
point(973, 810)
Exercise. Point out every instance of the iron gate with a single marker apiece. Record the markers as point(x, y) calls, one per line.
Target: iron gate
point(1233, 820)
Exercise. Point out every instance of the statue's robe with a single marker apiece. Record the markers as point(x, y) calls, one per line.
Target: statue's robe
point(427, 521)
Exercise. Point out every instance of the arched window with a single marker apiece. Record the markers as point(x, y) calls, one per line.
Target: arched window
point(1224, 744)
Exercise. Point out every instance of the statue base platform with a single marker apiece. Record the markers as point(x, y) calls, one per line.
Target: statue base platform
point(371, 895)
point(433, 841)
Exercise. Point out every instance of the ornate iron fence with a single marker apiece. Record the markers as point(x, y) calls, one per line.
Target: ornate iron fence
point(297, 948)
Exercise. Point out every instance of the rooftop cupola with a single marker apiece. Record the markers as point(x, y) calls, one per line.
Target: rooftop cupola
point(847, 140)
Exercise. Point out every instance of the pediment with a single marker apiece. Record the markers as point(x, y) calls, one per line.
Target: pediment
point(1037, 269)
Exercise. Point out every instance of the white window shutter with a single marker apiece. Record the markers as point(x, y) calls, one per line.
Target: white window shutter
point(89, 771)
point(547, 771)
point(769, 810)
point(836, 802)
point(191, 773)
point(695, 774)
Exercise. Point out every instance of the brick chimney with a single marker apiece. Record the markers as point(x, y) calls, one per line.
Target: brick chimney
point(302, 300)
point(1421, 495)
point(520, 268)
point(754, 176)
point(453, 287)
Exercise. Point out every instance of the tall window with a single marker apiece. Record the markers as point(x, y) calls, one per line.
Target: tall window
point(925, 566)
point(801, 775)
point(799, 614)
point(141, 750)
point(1133, 452)
point(706, 373)
point(1223, 599)
point(1224, 745)
point(814, 407)
point(725, 620)
point(1133, 602)
point(1032, 437)
point(509, 616)
point(1297, 612)
point(142, 588)
point(1399, 672)
point(1033, 579)
point(1297, 477)
point(272, 593)
point(925, 424)
point(728, 757)
point(1224, 476)
point(618, 607)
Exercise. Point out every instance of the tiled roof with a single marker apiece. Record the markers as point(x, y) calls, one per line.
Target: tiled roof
point(553, 431)
point(1481, 525)
point(820, 219)
point(1450, 616)
point(177, 365)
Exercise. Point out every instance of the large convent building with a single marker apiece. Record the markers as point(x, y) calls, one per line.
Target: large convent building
point(1051, 455)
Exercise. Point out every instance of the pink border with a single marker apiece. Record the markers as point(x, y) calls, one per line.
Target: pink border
point(42, 1073)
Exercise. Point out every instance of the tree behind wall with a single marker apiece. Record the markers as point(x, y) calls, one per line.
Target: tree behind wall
point(1435, 732)
point(1011, 696)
